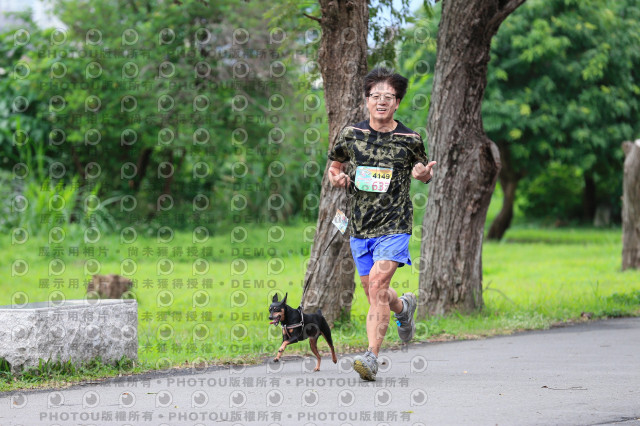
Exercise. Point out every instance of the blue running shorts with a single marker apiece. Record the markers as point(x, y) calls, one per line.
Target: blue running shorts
point(367, 251)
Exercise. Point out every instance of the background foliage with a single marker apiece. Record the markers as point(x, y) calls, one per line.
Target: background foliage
point(562, 95)
point(196, 108)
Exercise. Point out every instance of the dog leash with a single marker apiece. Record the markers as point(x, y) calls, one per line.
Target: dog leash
point(315, 265)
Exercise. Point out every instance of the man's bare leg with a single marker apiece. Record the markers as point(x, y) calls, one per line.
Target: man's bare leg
point(382, 300)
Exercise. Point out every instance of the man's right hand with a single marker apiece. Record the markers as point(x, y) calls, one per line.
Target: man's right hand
point(337, 177)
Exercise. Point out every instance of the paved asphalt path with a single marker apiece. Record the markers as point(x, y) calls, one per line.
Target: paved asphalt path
point(586, 374)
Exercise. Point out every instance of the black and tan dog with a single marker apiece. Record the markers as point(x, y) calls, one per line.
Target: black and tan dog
point(298, 326)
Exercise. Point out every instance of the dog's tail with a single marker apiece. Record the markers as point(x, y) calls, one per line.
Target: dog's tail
point(325, 329)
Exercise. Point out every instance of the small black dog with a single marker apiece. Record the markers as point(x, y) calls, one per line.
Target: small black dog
point(297, 326)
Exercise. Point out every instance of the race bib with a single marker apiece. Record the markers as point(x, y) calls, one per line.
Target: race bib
point(373, 179)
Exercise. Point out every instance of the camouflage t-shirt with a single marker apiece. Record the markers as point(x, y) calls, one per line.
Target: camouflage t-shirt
point(373, 214)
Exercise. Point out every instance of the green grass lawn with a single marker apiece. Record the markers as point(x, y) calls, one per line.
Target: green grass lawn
point(189, 315)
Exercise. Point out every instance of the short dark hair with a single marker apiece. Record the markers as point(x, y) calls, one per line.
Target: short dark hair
point(380, 75)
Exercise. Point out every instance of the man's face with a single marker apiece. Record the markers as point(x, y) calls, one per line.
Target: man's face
point(382, 109)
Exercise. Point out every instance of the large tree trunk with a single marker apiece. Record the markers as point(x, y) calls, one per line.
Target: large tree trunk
point(343, 64)
point(166, 189)
point(589, 202)
point(509, 179)
point(631, 206)
point(468, 162)
point(502, 221)
point(141, 167)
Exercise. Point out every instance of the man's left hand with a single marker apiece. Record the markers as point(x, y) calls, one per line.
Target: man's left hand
point(423, 173)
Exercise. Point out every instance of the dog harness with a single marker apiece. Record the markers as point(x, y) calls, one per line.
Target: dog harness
point(287, 328)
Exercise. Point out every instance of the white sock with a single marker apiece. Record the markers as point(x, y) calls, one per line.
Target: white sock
point(404, 307)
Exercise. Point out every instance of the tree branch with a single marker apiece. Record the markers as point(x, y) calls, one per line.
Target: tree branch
point(505, 8)
point(510, 5)
point(134, 7)
point(253, 101)
point(313, 17)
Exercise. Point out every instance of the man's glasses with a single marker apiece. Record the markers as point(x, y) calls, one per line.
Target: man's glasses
point(387, 97)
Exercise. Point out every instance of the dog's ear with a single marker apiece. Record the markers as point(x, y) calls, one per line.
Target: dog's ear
point(285, 298)
point(275, 298)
